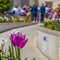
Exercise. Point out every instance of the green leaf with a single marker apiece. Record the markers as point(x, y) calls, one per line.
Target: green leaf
point(26, 58)
point(34, 58)
point(10, 52)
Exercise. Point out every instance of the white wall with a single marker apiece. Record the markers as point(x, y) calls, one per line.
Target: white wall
point(50, 47)
point(59, 49)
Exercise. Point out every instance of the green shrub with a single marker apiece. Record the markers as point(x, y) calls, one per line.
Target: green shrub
point(5, 5)
point(54, 25)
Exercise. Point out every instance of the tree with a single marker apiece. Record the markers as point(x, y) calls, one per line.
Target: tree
point(5, 5)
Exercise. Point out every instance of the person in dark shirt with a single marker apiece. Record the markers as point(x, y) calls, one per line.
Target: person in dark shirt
point(34, 12)
point(42, 11)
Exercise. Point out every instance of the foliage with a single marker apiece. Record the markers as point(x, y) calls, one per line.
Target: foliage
point(23, 18)
point(5, 5)
point(52, 24)
point(2, 43)
point(6, 19)
point(26, 58)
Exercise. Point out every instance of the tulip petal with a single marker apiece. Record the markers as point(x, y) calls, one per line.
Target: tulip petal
point(18, 40)
point(24, 36)
point(22, 44)
point(14, 44)
point(11, 37)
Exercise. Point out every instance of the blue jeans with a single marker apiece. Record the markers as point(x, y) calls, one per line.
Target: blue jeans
point(34, 17)
point(42, 18)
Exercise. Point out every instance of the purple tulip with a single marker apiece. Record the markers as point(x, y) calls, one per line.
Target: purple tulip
point(18, 39)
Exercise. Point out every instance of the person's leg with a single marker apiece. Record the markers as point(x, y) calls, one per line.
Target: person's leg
point(38, 17)
point(35, 18)
point(42, 17)
point(58, 17)
point(32, 17)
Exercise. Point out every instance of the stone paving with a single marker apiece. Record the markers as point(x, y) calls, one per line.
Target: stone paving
point(30, 50)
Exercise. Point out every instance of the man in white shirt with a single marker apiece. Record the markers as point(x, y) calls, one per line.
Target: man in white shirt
point(14, 10)
point(22, 12)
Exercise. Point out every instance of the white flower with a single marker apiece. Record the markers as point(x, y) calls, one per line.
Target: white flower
point(12, 18)
point(1, 17)
point(0, 41)
point(3, 40)
point(7, 19)
point(21, 19)
point(0, 45)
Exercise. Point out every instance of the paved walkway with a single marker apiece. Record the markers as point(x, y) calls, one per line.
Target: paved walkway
point(30, 50)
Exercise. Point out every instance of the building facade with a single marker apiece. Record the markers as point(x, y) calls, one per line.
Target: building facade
point(53, 3)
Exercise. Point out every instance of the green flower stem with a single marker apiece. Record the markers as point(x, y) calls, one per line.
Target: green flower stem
point(13, 56)
point(10, 52)
point(0, 57)
point(18, 53)
point(26, 58)
point(14, 52)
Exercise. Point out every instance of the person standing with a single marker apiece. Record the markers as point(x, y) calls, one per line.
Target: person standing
point(46, 11)
point(58, 11)
point(34, 12)
point(42, 11)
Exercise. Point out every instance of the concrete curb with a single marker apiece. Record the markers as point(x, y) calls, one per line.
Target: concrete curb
point(9, 26)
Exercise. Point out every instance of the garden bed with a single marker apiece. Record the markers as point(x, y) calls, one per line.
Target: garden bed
point(13, 18)
point(52, 24)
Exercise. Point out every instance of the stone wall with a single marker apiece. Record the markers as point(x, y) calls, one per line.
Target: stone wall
point(54, 2)
point(49, 43)
point(24, 2)
point(38, 2)
point(16, 2)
